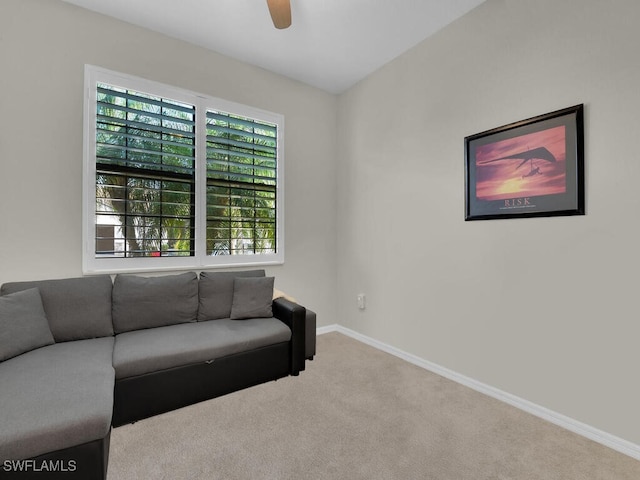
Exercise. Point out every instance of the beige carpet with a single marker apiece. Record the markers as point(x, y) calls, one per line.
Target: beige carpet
point(358, 413)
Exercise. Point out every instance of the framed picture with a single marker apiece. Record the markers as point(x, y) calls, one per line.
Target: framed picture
point(531, 168)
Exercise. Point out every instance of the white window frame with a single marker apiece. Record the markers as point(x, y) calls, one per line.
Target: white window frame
point(93, 265)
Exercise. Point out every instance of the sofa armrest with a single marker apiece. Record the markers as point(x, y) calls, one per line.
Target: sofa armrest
point(293, 315)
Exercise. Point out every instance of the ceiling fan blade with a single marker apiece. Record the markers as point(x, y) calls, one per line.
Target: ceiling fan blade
point(280, 11)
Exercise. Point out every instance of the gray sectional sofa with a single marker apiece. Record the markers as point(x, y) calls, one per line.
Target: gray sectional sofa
point(80, 356)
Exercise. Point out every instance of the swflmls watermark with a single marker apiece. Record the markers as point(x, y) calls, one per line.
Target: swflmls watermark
point(39, 466)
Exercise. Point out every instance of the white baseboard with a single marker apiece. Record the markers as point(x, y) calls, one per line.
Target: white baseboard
point(587, 431)
point(327, 329)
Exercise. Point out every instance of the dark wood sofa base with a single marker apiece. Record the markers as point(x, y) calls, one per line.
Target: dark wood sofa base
point(147, 395)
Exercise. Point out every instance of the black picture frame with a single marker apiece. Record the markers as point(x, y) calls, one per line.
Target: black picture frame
point(530, 168)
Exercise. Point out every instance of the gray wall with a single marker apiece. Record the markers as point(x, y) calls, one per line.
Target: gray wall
point(44, 45)
point(545, 308)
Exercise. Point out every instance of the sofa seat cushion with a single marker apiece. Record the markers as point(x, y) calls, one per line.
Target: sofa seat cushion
point(56, 397)
point(156, 349)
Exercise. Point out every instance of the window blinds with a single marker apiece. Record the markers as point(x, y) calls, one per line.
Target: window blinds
point(145, 174)
point(241, 185)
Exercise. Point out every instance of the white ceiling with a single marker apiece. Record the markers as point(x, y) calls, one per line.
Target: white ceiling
point(331, 44)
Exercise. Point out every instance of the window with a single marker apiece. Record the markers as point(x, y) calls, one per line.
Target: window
point(175, 179)
point(241, 185)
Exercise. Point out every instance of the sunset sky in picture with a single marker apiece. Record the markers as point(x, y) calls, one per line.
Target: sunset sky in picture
point(503, 179)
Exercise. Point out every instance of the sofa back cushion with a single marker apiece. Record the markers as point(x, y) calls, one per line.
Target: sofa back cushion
point(23, 324)
point(216, 293)
point(147, 302)
point(76, 308)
